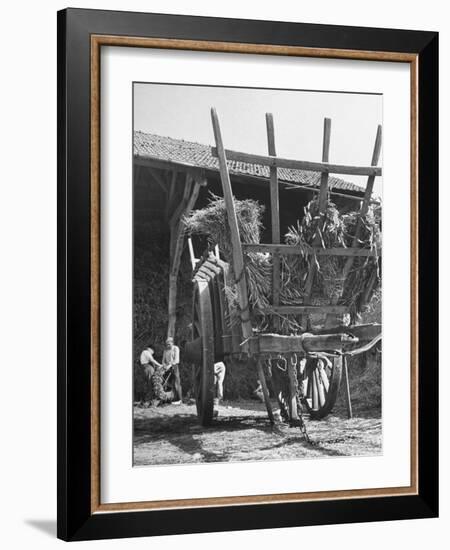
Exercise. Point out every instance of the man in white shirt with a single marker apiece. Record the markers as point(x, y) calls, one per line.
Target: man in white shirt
point(219, 377)
point(171, 360)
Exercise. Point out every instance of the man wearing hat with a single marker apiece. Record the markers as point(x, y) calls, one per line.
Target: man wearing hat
point(171, 360)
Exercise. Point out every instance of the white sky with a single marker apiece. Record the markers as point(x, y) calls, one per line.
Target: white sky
point(183, 112)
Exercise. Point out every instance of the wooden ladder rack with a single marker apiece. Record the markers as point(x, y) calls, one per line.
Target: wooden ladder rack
point(276, 249)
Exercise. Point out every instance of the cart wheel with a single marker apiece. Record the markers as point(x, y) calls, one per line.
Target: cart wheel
point(321, 383)
point(202, 327)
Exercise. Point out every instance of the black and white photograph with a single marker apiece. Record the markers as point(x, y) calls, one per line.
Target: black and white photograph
point(257, 274)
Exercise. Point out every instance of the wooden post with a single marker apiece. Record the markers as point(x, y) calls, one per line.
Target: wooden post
point(275, 216)
point(292, 391)
point(192, 254)
point(265, 390)
point(176, 248)
point(171, 195)
point(347, 388)
point(322, 200)
point(362, 212)
point(238, 258)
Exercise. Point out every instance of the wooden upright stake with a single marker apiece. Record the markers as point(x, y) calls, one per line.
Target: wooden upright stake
point(362, 212)
point(292, 391)
point(275, 216)
point(176, 249)
point(322, 199)
point(274, 196)
point(238, 258)
point(192, 254)
point(347, 388)
point(265, 390)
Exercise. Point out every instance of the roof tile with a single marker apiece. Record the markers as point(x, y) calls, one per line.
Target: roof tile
point(188, 153)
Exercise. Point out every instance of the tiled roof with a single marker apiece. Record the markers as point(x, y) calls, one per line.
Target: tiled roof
point(188, 153)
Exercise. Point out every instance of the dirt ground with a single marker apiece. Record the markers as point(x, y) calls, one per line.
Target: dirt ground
point(171, 434)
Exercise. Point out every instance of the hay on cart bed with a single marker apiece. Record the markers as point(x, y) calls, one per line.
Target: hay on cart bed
point(332, 231)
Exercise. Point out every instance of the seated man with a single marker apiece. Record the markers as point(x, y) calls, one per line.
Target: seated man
point(171, 360)
point(149, 365)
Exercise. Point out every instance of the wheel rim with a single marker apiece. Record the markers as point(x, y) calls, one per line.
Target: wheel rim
point(202, 327)
point(321, 385)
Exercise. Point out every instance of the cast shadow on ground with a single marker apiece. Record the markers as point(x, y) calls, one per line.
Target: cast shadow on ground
point(46, 526)
point(183, 430)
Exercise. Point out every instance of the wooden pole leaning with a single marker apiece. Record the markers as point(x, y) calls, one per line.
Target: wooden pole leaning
point(238, 257)
point(366, 201)
point(362, 212)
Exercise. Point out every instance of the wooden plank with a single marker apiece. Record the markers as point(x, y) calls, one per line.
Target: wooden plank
point(371, 178)
point(223, 308)
point(363, 211)
point(287, 249)
point(211, 266)
point(291, 186)
point(191, 254)
point(293, 383)
point(274, 196)
point(275, 215)
point(205, 271)
point(240, 177)
point(238, 258)
point(176, 215)
point(217, 317)
point(323, 197)
point(323, 192)
point(278, 343)
point(236, 334)
point(170, 206)
point(265, 390)
point(173, 181)
point(348, 396)
point(176, 249)
point(306, 165)
point(364, 333)
point(299, 310)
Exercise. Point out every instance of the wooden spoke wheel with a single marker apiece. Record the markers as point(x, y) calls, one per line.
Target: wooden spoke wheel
point(321, 381)
point(202, 327)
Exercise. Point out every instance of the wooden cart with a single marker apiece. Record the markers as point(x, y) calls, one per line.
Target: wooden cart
point(322, 352)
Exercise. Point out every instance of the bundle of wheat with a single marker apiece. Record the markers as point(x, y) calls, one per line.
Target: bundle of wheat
point(212, 222)
point(326, 231)
point(338, 279)
point(363, 278)
point(330, 230)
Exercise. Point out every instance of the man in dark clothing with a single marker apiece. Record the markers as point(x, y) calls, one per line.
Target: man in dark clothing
point(149, 365)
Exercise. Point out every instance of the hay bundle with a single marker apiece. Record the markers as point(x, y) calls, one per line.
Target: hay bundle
point(363, 279)
point(328, 232)
point(332, 230)
point(212, 222)
point(331, 283)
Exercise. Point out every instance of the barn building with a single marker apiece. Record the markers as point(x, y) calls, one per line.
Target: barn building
point(172, 177)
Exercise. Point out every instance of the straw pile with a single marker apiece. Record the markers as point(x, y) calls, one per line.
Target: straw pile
point(332, 230)
point(212, 222)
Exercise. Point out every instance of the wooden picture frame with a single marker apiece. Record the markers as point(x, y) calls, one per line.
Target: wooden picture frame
point(81, 35)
